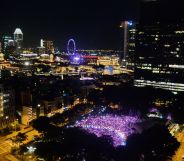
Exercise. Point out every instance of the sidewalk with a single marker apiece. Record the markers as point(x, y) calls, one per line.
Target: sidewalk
point(11, 157)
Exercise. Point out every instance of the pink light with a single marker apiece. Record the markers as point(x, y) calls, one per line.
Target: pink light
point(117, 127)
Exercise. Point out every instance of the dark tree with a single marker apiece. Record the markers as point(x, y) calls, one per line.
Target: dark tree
point(41, 124)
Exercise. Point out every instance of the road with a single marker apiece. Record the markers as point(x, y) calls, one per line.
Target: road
point(14, 134)
point(5, 147)
point(30, 136)
point(180, 152)
point(9, 157)
point(6, 143)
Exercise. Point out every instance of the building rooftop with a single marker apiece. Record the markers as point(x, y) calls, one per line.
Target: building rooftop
point(18, 31)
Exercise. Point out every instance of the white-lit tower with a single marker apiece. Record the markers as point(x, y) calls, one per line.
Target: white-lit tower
point(128, 33)
point(18, 38)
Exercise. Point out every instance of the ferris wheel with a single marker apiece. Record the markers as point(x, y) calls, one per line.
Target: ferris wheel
point(71, 47)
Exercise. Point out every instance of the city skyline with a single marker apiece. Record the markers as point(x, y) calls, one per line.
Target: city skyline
point(94, 26)
point(92, 80)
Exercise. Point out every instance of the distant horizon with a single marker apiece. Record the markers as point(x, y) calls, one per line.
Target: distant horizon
point(28, 43)
point(92, 24)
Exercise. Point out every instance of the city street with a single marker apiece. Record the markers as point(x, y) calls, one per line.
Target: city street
point(9, 157)
point(24, 130)
point(5, 147)
point(30, 136)
point(6, 144)
point(180, 152)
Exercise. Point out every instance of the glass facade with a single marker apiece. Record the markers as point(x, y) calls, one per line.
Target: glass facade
point(7, 107)
point(128, 45)
point(159, 50)
point(18, 37)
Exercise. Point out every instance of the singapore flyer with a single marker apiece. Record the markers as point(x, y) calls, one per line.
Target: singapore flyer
point(71, 47)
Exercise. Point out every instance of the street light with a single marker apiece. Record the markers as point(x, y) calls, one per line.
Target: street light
point(31, 149)
point(27, 63)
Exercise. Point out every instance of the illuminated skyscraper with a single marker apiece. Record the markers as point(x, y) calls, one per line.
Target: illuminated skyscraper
point(18, 37)
point(8, 45)
point(41, 43)
point(128, 33)
point(160, 46)
point(41, 48)
point(48, 45)
point(7, 107)
point(5, 40)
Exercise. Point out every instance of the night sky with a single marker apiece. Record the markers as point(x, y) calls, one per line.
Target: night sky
point(93, 24)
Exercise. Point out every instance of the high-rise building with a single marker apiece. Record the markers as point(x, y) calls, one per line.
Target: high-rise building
point(128, 32)
point(5, 42)
point(0, 47)
point(28, 115)
point(7, 106)
point(160, 46)
point(41, 50)
point(8, 46)
point(48, 45)
point(18, 38)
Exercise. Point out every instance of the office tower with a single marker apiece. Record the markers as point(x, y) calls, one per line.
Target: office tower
point(160, 46)
point(28, 115)
point(26, 97)
point(7, 106)
point(128, 33)
point(48, 45)
point(8, 46)
point(41, 49)
point(0, 47)
point(5, 40)
point(41, 43)
point(18, 38)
